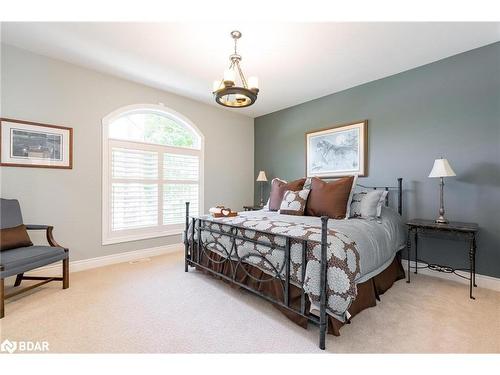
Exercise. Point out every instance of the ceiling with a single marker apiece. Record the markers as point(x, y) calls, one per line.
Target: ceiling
point(295, 62)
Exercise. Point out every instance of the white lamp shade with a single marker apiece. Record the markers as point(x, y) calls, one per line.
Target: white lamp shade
point(229, 75)
point(442, 168)
point(253, 83)
point(262, 176)
point(217, 85)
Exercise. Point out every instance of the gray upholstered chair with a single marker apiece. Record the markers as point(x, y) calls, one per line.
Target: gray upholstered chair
point(23, 259)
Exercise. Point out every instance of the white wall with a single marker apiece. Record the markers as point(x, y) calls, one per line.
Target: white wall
point(40, 89)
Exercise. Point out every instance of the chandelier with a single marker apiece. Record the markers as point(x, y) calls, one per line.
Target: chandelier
point(230, 93)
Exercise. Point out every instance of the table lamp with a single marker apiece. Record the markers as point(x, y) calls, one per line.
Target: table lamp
point(441, 169)
point(262, 178)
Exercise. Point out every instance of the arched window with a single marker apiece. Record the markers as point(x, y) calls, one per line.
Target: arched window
point(152, 165)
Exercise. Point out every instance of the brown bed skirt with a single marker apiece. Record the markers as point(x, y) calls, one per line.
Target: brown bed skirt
point(368, 291)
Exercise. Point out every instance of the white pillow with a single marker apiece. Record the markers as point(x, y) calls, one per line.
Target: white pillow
point(371, 204)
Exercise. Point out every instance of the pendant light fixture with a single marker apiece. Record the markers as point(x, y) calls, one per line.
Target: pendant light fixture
point(233, 90)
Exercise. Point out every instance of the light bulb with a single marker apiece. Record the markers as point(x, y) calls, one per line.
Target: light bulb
point(216, 86)
point(229, 77)
point(240, 98)
point(253, 83)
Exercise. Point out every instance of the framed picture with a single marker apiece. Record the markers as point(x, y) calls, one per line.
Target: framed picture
point(30, 144)
point(337, 151)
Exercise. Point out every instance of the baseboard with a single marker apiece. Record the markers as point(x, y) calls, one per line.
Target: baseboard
point(482, 281)
point(86, 264)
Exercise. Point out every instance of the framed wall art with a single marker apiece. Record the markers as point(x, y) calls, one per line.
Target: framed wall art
point(31, 144)
point(337, 151)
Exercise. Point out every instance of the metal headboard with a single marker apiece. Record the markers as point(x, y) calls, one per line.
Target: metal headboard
point(399, 188)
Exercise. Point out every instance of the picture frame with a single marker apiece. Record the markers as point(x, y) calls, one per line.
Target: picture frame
point(35, 145)
point(337, 151)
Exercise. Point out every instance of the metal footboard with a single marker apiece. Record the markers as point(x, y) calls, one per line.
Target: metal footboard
point(196, 250)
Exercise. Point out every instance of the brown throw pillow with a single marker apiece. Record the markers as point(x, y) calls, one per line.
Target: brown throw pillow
point(329, 198)
point(11, 238)
point(278, 188)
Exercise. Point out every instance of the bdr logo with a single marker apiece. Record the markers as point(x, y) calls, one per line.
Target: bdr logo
point(24, 346)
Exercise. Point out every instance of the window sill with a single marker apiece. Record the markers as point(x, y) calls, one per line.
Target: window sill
point(139, 237)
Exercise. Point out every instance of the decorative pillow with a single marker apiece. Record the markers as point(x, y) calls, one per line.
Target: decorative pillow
point(266, 206)
point(368, 204)
point(307, 183)
point(11, 238)
point(355, 209)
point(278, 188)
point(329, 198)
point(294, 202)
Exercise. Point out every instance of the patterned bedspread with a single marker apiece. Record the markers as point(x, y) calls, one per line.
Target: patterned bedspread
point(343, 262)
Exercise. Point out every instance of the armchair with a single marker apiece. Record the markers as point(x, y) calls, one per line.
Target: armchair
point(23, 259)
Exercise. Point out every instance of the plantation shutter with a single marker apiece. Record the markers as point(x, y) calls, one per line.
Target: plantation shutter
point(181, 175)
point(134, 188)
point(151, 167)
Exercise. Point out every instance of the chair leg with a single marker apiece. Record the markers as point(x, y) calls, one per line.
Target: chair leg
point(2, 303)
point(65, 264)
point(19, 278)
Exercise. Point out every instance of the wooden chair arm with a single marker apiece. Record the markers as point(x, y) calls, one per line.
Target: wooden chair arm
point(50, 238)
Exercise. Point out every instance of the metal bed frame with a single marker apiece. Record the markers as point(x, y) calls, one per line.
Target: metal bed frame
point(196, 249)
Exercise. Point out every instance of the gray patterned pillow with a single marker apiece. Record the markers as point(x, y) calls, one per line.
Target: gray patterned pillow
point(367, 204)
point(294, 202)
point(307, 183)
point(355, 210)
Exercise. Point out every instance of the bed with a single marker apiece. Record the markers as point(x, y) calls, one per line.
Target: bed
point(314, 269)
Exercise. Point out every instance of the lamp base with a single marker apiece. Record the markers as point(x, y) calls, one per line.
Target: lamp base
point(441, 220)
point(262, 194)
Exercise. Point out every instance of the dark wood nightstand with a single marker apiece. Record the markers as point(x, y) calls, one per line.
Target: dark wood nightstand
point(252, 208)
point(462, 231)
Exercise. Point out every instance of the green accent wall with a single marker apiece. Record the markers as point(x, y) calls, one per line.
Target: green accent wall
point(449, 108)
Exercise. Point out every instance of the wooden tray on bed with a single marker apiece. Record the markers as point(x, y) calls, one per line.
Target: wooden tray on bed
point(225, 212)
point(231, 214)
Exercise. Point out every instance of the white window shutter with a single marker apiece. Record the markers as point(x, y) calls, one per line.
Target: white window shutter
point(148, 183)
point(134, 164)
point(134, 205)
point(181, 174)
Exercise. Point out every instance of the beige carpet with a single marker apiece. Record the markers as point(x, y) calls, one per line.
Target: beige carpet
point(155, 307)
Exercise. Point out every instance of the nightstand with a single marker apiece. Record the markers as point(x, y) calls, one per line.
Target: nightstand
point(252, 208)
point(456, 230)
